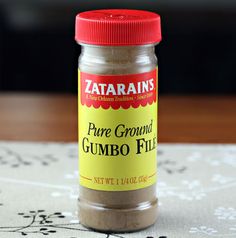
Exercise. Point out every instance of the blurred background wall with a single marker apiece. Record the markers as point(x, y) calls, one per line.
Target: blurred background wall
point(197, 55)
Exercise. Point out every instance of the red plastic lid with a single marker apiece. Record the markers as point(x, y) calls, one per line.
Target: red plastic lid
point(118, 27)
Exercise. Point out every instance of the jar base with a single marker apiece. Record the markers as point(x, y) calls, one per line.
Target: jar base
point(117, 219)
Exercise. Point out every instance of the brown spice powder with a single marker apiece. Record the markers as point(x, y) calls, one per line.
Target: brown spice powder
point(117, 210)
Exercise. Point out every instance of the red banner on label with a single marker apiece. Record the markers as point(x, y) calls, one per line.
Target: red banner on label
point(118, 90)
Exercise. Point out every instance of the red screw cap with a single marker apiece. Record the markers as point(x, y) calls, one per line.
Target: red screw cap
point(118, 27)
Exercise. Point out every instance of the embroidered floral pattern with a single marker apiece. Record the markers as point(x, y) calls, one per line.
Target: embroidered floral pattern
point(225, 213)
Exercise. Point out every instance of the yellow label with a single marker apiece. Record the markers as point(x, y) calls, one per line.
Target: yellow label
point(117, 147)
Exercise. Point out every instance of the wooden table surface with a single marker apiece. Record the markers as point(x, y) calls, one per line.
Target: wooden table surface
point(196, 119)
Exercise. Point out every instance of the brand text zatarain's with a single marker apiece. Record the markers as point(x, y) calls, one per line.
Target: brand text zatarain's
point(119, 88)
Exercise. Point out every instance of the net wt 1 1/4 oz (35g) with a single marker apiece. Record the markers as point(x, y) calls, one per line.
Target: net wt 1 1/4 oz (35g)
point(117, 118)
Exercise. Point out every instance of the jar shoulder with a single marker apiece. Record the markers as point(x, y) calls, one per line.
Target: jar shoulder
point(117, 60)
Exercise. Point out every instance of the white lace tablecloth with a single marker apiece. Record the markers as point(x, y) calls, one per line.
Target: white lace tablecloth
point(39, 191)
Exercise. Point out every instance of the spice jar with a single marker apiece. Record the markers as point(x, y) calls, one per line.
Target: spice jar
point(117, 118)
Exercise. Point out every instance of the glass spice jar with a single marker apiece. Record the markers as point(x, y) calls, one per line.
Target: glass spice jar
point(117, 118)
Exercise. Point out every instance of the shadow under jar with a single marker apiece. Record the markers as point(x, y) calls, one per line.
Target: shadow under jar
point(117, 118)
